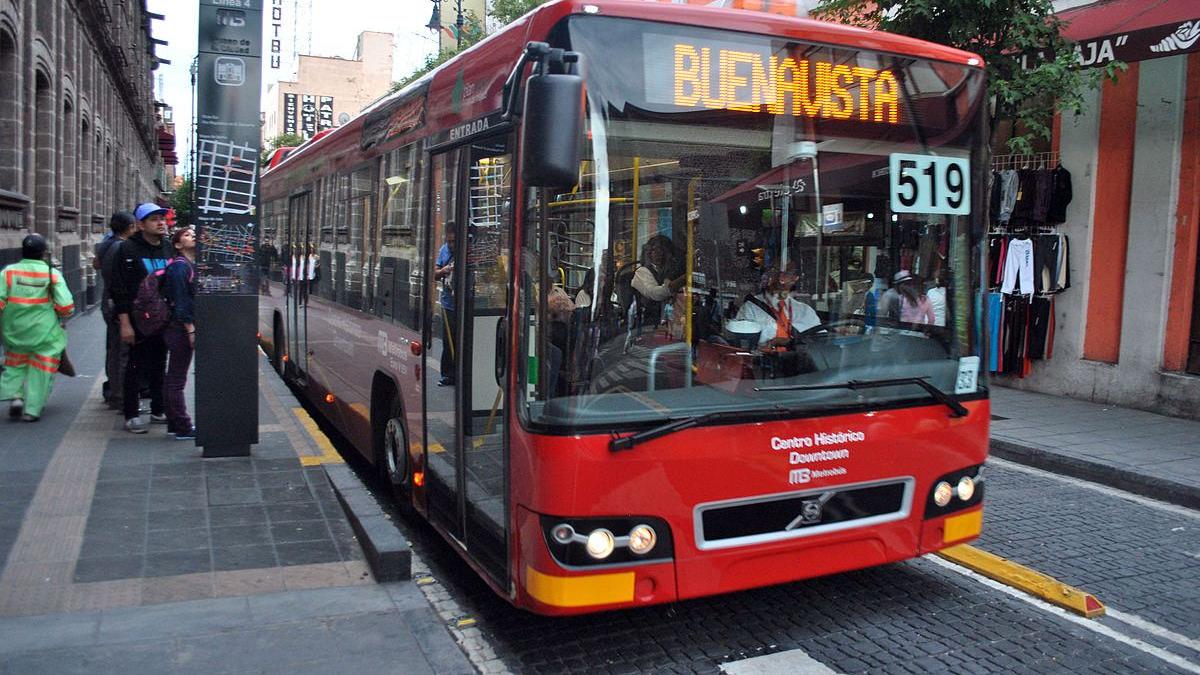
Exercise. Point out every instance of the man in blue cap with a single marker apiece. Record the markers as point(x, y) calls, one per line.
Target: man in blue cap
point(140, 255)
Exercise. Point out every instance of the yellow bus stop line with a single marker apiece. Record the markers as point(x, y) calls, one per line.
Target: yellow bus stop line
point(328, 454)
point(1025, 579)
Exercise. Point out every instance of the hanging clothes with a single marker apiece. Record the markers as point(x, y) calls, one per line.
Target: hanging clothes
point(1018, 268)
point(1008, 195)
point(1060, 196)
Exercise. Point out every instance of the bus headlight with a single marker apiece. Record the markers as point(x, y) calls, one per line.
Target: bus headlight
point(642, 539)
point(563, 533)
point(942, 493)
point(600, 543)
point(966, 488)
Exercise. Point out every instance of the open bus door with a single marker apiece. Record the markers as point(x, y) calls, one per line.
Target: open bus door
point(300, 244)
point(466, 403)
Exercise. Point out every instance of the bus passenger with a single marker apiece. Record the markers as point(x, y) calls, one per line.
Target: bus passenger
point(650, 283)
point(915, 306)
point(777, 312)
point(443, 270)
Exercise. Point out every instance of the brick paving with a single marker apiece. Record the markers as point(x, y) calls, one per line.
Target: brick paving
point(131, 552)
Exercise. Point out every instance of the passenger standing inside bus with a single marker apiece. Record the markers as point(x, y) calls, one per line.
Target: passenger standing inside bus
point(33, 299)
point(139, 255)
point(649, 280)
point(443, 271)
point(180, 333)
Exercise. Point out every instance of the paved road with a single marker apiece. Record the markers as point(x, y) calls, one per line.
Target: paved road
point(1137, 556)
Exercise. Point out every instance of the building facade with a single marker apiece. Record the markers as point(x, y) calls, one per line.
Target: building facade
point(1127, 332)
point(79, 132)
point(328, 91)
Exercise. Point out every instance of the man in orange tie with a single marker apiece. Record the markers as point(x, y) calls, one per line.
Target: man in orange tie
point(776, 312)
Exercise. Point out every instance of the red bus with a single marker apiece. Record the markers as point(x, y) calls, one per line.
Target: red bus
point(634, 309)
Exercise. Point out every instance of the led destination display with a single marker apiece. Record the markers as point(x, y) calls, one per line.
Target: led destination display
point(723, 75)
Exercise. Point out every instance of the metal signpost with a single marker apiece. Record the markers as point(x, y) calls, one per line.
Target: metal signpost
point(226, 184)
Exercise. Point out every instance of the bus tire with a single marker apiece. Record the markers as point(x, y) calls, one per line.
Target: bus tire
point(391, 459)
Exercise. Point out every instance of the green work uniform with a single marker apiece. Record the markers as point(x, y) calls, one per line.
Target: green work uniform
point(33, 339)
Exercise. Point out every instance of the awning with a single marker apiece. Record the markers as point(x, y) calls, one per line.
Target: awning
point(1132, 30)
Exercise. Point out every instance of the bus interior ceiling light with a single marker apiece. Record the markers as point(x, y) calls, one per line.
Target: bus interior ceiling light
point(942, 493)
point(600, 543)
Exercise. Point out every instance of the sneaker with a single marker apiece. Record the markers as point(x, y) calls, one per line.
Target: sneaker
point(30, 418)
point(16, 407)
point(158, 419)
point(135, 425)
point(188, 435)
point(143, 406)
point(446, 382)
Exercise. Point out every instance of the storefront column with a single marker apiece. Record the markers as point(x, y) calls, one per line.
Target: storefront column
point(1184, 314)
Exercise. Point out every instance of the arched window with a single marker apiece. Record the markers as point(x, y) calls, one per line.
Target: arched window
point(45, 153)
point(68, 160)
point(10, 111)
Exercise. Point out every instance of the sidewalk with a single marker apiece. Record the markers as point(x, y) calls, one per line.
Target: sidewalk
point(131, 552)
point(1133, 450)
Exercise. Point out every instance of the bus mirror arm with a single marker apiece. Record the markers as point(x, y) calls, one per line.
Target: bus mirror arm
point(534, 52)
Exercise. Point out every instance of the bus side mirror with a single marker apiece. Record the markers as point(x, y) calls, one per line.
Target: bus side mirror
point(553, 125)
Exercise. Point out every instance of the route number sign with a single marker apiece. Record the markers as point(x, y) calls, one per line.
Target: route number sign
point(929, 184)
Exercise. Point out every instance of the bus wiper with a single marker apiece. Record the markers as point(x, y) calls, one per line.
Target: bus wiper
point(627, 442)
point(941, 396)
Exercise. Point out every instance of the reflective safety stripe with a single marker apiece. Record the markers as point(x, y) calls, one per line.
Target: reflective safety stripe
point(15, 359)
point(47, 359)
point(2, 303)
point(64, 310)
point(42, 367)
point(579, 591)
point(34, 275)
point(29, 301)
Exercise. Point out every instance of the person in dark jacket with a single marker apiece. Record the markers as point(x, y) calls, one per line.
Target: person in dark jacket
point(116, 353)
point(139, 255)
point(180, 333)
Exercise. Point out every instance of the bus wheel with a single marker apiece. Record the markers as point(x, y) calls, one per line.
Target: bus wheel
point(394, 467)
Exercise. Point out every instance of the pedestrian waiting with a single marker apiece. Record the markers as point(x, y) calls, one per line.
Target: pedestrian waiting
point(141, 254)
point(122, 225)
point(34, 300)
point(180, 333)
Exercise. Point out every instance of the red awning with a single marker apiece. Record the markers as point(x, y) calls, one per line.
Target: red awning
point(1113, 17)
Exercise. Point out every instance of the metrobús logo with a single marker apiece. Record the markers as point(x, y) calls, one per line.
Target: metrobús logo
point(808, 450)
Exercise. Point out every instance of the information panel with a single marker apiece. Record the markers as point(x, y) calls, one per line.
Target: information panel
point(226, 181)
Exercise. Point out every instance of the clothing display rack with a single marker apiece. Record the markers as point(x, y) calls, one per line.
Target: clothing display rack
point(1035, 160)
point(1028, 258)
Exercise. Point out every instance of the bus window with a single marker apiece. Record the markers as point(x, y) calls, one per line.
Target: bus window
point(359, 192)
point(712, 252)
point(403, 236)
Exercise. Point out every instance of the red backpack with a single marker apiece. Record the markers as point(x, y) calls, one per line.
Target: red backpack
point(151, 309)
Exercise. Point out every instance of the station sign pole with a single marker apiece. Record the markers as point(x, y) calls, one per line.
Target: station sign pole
point(227, 139)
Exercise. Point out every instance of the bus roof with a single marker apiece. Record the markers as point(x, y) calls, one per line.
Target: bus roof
point(486, 64)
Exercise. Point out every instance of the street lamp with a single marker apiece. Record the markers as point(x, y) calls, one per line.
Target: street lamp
point(435, 22)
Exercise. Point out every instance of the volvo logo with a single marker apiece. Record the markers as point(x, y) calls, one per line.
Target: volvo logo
point(810, 511)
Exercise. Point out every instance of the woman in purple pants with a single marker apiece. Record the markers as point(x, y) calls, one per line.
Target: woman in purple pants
point(180, 333)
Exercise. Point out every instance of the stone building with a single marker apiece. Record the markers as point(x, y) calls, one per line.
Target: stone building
point(328, 91)
point(79, 132)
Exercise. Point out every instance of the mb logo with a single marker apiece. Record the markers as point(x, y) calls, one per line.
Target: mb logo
point(797, 476)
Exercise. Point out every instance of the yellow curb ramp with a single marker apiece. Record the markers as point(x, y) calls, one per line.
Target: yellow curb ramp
point(329, 454)
point(1025, 579)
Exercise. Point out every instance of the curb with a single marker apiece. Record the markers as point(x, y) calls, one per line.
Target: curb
point(1125, 479)
point(383, 544)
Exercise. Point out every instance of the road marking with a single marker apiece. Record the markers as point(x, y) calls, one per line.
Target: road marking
point(791, 662)
point(1026, 579)
point(1096, 487)
point(1094, 626)
point(328, 454)
point(1155, 629)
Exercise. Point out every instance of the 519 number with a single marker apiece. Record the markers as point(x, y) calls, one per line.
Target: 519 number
point(929, 184)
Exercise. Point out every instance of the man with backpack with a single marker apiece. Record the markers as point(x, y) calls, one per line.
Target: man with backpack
point(139, 256)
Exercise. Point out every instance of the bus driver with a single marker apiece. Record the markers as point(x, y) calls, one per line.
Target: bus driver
point(776, 312)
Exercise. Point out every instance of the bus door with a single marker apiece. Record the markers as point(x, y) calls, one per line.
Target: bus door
point(482, 222)
point(300, 240)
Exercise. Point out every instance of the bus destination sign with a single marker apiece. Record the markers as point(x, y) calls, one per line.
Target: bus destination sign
point(756, 78)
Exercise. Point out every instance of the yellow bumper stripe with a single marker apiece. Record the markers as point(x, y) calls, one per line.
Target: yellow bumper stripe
point(1025, 579)
point(962, 526)
point(581, 591)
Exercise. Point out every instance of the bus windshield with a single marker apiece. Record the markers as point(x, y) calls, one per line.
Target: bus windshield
point(754, 216)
